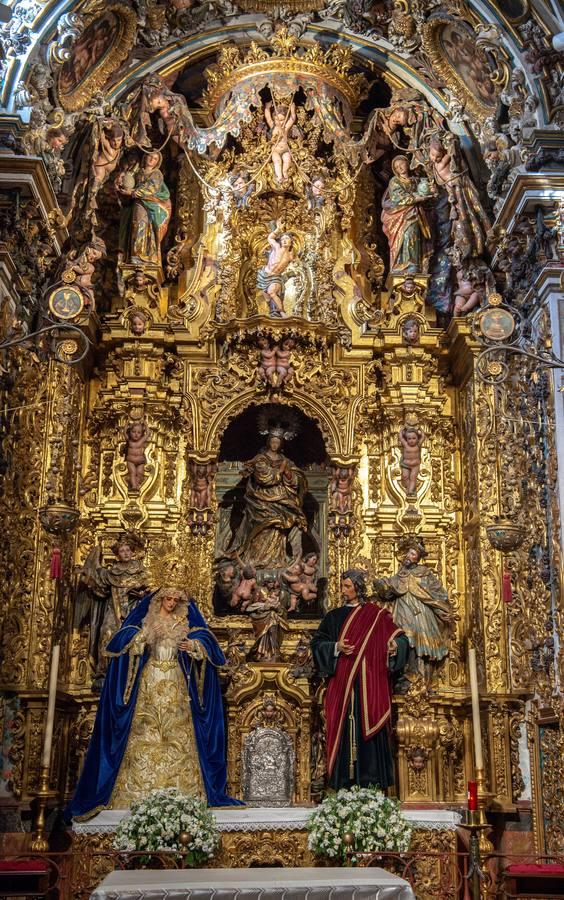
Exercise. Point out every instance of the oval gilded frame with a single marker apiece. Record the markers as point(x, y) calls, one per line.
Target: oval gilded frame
point(116, 52)
point(445, 69)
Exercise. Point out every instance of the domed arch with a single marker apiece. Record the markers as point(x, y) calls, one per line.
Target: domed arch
point(44, 33)
point(334, 440)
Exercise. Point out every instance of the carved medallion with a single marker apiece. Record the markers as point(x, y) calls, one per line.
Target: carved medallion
point(66, 302)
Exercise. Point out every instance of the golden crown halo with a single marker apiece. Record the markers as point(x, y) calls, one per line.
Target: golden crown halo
point(166, 570)
point(331, 66)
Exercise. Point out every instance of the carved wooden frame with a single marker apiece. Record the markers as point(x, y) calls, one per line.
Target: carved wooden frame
point(96, 78)
point(444, 69)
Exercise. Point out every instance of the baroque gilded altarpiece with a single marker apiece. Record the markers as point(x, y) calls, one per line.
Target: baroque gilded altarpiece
point(193, 369)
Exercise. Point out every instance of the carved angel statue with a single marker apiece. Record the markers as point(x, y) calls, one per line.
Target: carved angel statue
point(107, 594)
point(275, 366)
point(101, 159)
point(300, 579)
point(408, 116)
point(137, 436)
point(280, 123)
point(82, 269)
point(153, 97)
point(411, 440)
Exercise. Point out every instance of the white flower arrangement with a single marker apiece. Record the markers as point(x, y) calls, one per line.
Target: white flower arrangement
point(167, 819)
point(375, 822)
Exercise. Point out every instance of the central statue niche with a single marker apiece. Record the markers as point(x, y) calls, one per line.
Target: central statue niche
point(272, 498)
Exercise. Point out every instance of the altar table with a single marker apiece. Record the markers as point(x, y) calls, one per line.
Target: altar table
point(254, 884)
point(280, 818)
point(267, 836)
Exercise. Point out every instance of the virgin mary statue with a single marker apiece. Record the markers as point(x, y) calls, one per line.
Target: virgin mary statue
point(160, 719)
point(274, 496)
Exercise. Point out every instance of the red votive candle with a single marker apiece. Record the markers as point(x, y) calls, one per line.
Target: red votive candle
point(472, 795)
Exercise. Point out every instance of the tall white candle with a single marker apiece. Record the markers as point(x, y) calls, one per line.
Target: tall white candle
point(46, 758)
point(475, 708)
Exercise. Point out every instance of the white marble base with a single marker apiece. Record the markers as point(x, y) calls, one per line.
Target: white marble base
point(288, 818)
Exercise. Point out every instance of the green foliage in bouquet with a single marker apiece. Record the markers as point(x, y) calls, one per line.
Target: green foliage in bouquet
point(170, 820)
point(375, 822)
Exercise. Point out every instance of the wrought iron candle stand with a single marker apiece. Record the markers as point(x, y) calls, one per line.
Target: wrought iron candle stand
point(504, 332)
point(70, 343)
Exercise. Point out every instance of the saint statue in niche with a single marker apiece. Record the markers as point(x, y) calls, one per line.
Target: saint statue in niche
point(421, 608)
point(107, 594)
point(405, 221)
point(145, 220)
point(273, 516)
point(272, 276)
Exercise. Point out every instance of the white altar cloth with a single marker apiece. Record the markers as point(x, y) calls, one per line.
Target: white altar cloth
point(254, 884)
point(285, 818)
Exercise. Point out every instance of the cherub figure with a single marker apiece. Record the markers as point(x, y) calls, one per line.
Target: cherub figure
point(83, 267)
point(270, 277)
point(280, 124)
point(310, 562)
point(226, 579)
point(247, 590)
point(136, 437)
point(137, 322)
point(411, 440)
point(200, 494)
point(469, 291)
point(108, 151)
point(268, 361)
point(410, 331)
point(292, 577)
point(56, 139)
point(300, 585)
point(341, 488)
point(284, 368)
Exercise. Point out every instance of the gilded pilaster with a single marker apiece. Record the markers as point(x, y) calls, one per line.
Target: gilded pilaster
point(44, 425)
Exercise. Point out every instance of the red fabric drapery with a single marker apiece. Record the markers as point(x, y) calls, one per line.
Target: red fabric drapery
point(370, 629)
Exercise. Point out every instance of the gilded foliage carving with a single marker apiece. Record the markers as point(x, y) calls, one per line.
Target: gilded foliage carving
point(22, 448)
point(480, 492)
point(552, 749)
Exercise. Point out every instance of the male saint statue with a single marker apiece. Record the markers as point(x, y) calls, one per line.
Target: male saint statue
point(421, 609)
point(359, 648)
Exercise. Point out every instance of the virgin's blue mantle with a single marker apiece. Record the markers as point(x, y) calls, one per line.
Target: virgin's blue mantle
point(114, 717)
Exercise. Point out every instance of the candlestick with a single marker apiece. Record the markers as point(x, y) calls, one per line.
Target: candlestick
point(48, 741)
point(39, 804)
point(472, 795)
point(479, 759)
